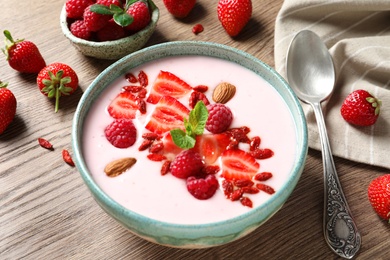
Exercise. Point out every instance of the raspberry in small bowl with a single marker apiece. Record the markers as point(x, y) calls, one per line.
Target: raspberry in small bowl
point(99, 35)
point(213, 151)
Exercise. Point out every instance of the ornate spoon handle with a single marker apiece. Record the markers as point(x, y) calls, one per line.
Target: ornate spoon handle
point(339, 228)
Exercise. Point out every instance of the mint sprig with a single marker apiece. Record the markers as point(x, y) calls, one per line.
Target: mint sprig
point(194, 126)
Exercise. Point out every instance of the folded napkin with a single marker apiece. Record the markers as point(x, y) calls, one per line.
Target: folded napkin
point(357, 33)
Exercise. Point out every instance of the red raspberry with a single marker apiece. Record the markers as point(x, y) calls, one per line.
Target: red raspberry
point(202, 189)
point(112, 31)
point(75, 8)
point(94, 21)
point(121, 133)
point(79, 30)
point(140, 12)
point(220, 118)
point(109, 2)
point(187, 163)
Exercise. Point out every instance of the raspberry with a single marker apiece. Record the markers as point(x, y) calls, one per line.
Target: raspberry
point(202, 189)
point(109, 2)
point(220, 118)
point(187, 163)
point(75, 8)
point(79, 30)
point(140, 12)
point(94, 21)
point(121, 133)
point(110, 32)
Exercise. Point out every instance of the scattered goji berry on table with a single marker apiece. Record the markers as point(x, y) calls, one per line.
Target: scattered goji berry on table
point(45, 144)
point(67, 158)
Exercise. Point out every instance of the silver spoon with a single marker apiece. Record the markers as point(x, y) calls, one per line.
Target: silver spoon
point(311, 74)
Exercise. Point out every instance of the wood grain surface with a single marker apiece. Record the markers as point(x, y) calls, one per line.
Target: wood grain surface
point(46, 212)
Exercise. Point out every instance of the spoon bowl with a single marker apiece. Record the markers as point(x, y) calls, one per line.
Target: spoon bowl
point(311, 74)
point(310, 71)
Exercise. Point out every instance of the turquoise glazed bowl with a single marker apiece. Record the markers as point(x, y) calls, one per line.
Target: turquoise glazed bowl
point(197, 235)
point(112, 50)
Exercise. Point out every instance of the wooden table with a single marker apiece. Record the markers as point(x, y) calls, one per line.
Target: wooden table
point(46, 212)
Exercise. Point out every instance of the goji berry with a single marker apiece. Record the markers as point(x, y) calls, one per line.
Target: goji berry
point(255, 143)
point(227, 188)
point(263, 176)
point(236, 195)
point(141, 105)
point(210, 169)
point(250, 190)
point(151, 136)
point(243, 183)
point(201, 88)
point(165, 167)
point(67, 158)
point(265, 188)
point(156, 157)
point(198, 28)
point(246, 202)
point(130, 78)
point(145, 145)
point(262, 153)
point(196, 97)
point(143, 78)
point(132, 88)
point(156, 147)
point(45, 144)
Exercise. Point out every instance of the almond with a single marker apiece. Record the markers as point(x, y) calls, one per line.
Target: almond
point(119, 166)
point(224, 92)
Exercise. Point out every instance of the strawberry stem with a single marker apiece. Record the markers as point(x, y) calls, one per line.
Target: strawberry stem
point(9, 42)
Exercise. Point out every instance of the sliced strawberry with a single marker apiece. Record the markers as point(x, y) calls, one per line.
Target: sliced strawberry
point(211, 146)
point(170, 149)
point(124, 105)
point(167, 84)
point(167, 115)
point(238, 165)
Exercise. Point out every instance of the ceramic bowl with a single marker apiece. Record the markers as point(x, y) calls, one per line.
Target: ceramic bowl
point(194, 235)
point(111, 50)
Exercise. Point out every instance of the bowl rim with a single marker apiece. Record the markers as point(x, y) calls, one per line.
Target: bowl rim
point(155, 14)
point(278, 198)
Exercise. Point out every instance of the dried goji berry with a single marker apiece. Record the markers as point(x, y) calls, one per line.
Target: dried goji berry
point(243, 183)
point(198, 28)
point(156, 147)
point(67, 158)
point(165, 167)
point(263, 176)
point(143, 78)
point(151, 136)
point(236, 195)
point(45, 144)
point(142, 93)
point(156, 157)
point(266, 188)
point(210, 169)
point(130, 78)
point(132, 88)
point(232, 145)
point(250, 190)
point(246, 202)
point(196, 97)
point(227, 188)
point(240, 134)
point(201, 88)
point(262, 153)
point(255, 143)
point(145, 145)
point(141, 105)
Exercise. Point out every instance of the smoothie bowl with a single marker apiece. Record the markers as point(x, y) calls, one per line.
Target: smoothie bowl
point(190, 144)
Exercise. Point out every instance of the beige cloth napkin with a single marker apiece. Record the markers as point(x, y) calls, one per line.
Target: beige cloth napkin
point(357, 33)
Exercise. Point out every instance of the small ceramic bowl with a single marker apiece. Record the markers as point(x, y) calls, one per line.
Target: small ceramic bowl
point(191, 235)
point(111, 50)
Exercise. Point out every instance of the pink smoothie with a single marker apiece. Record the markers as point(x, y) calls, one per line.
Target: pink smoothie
point(142, 189)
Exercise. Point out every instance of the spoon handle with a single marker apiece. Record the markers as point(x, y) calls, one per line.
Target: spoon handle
point(339, 228)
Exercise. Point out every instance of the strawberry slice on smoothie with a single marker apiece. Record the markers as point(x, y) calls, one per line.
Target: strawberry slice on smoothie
point(167, 84)
point(167, 115)
point(211, 146)
point(238, 165)
point(124, 105)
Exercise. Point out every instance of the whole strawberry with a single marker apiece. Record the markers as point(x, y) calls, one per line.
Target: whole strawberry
point(360, 108)
point(179, 8)
point(57, 79)
point(234, 15)
point(379, 196)
point(22, 55)
point(7, 107)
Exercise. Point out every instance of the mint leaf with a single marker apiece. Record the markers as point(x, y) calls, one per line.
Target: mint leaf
point(181, 139)
point(194, 126)
point(198, 118)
